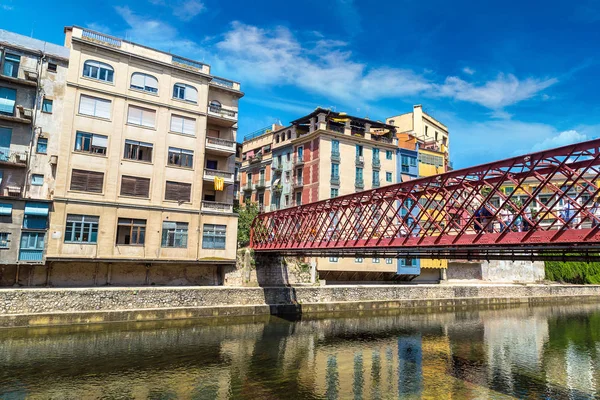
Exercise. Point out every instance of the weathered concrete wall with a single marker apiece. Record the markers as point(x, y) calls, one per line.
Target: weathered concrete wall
point(464, 270)
point(497, 271)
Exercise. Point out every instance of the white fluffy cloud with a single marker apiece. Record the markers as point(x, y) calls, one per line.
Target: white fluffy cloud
point(562, 139)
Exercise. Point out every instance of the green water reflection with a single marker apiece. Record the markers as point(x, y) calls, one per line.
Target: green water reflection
point(526, 352)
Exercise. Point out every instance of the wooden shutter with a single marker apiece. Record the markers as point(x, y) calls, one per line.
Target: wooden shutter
point(87, 181)
point(178, 191)
point(135, 186)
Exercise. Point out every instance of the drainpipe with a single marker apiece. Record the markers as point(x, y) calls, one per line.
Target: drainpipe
point(26, 184)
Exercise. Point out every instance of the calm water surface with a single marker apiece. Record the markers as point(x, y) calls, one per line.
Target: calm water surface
point(527, 352)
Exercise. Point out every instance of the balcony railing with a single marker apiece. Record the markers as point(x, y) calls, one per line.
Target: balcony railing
point(255, 159)
point(187, 63)
point(218, 173)
point(31, 255)
point(376, 184)
point(220, 144)
point(360, 161)
point(13, 157)
point(298, 182)
point(222, 112)
point(376, 163)
point(261, 184)
point(335, 156)
point(217, 207)
point(100, 38)
point(276, 168)
point(247, 187)
point(335, 179)
point(382, 139)
point(359, 184)
point(298, 159)
point(339, 128)
point(222, 82)
point(278, 188)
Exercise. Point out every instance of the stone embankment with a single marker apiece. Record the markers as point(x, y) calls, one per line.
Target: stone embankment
point(38, 307)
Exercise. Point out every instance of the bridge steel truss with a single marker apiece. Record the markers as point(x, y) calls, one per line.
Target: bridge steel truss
point(461, 214)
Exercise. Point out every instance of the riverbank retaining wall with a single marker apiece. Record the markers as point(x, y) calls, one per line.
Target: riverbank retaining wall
point(35, 307)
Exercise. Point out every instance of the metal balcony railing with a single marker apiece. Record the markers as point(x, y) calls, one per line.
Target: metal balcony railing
point(376, 163)
point(360, 161)
point(298, 159)
point(254, 159)
point(222, 112)
point(335, 156)
point(261, 184)
point(335, 179)
point(298, 182)
point(247, 187)
point(276, 168)
point(376, 184)
point(359, 184)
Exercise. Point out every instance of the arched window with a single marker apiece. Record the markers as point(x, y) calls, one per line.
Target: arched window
point(98, 70)
point(144, 82)
point(185, 92)
point(289, 134)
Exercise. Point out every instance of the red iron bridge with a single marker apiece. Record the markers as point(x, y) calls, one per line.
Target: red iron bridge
point(540, 206)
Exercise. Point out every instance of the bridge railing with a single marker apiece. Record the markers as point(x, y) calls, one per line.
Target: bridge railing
point(545, 200)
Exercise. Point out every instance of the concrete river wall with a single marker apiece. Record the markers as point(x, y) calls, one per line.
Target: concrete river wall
point(39, 307)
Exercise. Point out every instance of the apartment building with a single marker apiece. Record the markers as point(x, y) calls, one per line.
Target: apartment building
point(32, 84)
point(145, 181)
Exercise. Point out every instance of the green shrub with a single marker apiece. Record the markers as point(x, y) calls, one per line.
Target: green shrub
point(573, 272)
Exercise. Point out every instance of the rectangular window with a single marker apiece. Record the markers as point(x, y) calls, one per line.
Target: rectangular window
point(183, 125)
point(32, 246)
point(376, 261)
point(375, 154)
point(94, 107)
point(174, 234)
point(359, 174)
point(333, 259)
point(213, 236)
point(388, 154)
point(37, 180)
point(376, 177)
point(87, 181)
point(91, 143)
point(81, 229)
point(358, 260)
point(139, 151)
point(51, 67)
point(182, 158)
point(388, 261)
point(335, 193)
point(4, 240)
point(11, 65)
point(335, 147)
point(335, 170)
point(141, 116)
point(42, 146)
point(131, 231)
point(359, 150)
point(413, 161)
point(388, 176)
point(8, 98)
point(214, 164)
point(288, 156)
point(47, 106)
point(135, 186)
point(298, 198)
point(287, 176)
point(178, 191)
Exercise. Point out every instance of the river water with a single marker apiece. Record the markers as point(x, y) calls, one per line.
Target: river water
point(549, 352)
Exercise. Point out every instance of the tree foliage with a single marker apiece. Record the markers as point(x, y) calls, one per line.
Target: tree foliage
point(246, 213)
point(573, 272)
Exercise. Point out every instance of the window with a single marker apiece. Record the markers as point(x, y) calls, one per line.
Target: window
point(98, 70)
point(375, 154)
point(437, 161)
point(185, 92)
point(178, 191)
point(91, 143)
point(298, 198)
point(87, 181)
point(358, 260)
point(4, 240)
point(81, 229)
point(359, 174)
point(139, 151)
point(32, 246)
point(184, 158)
point(131, 231)
point(11, 65)
point(135, 186)
point(37, 180)
point(213, 236)
point(376, 260)
point(35, 215)
point(388, 176)
point(42, 146)
point(413, 162)
point(144, 82)
point(375, 177)
point(289, 135)
point(335, 170)
point(286, 200)
point(288, 156)
point(287, 176)
point(335, 192)
point(141, 116)
point(388, 154)
point(183, 125)
point(276, 139)
point(174, 234)
point(388, 261)
point(333, 259)
point(359, 150)
point(47, 106)
point(8, 98)
point(52, 67)
point(335, 147)
point(94, 107)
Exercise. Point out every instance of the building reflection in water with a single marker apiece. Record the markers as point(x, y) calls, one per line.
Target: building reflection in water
point(525, 352)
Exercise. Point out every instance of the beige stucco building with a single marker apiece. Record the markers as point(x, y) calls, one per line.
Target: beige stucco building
point(145, 178)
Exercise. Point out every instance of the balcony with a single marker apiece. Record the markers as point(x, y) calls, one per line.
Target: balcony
point(335, 156)
point(376, 163)
point(224, 116)
point(359, 184)
point(261, 184)
point(220, 146)
point(382, 139)
point(211, 174)
point(255, 159)
point(214, 206)
point(335, 179)
point(30, 255)
point(14, 158)
point(277, 188)
point(298, 160)
point(276, 168)
point(376, 184)
point(360, 161)
point(100, 38)
point(297, 183)
point(225, 83)
point(247, 187)
point(21, 115)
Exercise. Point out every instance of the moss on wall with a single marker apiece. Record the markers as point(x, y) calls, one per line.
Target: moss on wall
point(573, 272)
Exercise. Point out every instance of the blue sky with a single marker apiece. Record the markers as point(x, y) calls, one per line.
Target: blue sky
point(506, 79)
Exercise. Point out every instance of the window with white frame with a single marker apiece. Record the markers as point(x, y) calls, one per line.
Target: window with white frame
point(183, 125)
point(145, 82)
point(141, 116)
point(98, 70)
point(333, 259)
point(94, 106)
point(174, 234)
point(91, 143)
point(185, 92)
point(389, 261)
point(181, 157)
point(81, 229)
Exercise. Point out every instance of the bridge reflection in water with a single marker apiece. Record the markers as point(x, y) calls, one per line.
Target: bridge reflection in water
point(541, 352)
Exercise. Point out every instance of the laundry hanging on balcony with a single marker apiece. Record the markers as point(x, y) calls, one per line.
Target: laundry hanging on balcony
point(219, 183)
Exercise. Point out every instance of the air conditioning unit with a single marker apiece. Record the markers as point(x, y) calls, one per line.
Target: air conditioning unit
point(22, 157)
point(27, 113)
point(31, 75)
point(53, 160)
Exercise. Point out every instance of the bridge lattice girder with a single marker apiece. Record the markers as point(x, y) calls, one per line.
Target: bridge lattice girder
point(458, 214)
